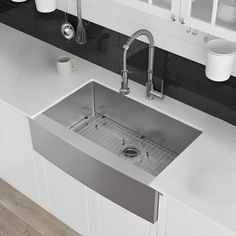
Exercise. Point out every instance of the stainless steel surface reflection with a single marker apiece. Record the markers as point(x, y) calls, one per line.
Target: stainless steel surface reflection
point(128, 145)
point(161, 129)
point(113, 127)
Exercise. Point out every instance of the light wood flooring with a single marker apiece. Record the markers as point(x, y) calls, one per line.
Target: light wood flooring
point(19, 216)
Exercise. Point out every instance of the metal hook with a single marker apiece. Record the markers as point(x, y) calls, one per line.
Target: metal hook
point(207, 38)
point(195, 32)
point(123, 142)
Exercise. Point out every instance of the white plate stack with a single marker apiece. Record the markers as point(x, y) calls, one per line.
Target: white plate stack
point(227, 11)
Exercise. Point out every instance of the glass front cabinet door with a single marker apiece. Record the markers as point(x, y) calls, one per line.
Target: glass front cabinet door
point(167, 9)
point(216, 17)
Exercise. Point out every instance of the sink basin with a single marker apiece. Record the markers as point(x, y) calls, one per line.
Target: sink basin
point(117, 123)
point(123, 132)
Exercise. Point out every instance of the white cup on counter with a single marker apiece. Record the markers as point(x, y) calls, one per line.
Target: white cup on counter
point(66, 65)
point(220, 59)
point(45, 6)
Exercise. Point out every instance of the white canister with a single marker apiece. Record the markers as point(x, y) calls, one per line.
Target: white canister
point(220, 59)
point(45, 6)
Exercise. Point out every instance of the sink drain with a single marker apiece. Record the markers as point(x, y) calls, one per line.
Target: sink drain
point(130, 152)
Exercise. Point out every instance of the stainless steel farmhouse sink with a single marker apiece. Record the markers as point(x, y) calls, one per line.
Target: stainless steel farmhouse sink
point(112, 144)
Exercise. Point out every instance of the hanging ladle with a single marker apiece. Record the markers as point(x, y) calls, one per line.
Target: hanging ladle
point(67, 29)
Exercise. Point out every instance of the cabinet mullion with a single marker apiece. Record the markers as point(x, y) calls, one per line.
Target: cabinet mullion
point(186, 8)
point(214, 12)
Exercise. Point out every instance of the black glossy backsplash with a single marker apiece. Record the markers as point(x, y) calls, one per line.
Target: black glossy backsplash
point(185, 80)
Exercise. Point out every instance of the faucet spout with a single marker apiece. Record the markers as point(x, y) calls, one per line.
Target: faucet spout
point(150, 93)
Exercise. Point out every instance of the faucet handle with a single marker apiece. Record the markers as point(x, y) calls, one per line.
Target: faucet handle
point(151, 93)
point(137, 72)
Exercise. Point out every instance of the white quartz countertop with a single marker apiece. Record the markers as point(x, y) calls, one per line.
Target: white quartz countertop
point(202, 178)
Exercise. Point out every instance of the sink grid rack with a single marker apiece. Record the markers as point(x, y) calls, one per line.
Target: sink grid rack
point(114, 137)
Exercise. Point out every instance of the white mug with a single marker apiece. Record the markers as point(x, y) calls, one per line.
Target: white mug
point(45, 6)
point(65, 65)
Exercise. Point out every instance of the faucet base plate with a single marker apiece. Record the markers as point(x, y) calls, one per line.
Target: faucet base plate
point(124, 91)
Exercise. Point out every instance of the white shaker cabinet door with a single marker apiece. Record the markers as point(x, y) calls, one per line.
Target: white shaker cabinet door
point(16, 162)
point(68, 198)
point(185, 222)
point(39, 162)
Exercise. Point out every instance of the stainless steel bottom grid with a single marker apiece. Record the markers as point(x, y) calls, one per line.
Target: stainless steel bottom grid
point(100, 129)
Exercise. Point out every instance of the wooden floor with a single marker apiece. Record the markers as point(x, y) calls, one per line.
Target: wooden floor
point(19, 216)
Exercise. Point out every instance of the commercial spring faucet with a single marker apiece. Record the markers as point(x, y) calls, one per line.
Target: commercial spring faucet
point(150, 92)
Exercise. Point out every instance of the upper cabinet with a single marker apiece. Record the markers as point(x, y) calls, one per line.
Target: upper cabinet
point(216, 17)
point(168, 9)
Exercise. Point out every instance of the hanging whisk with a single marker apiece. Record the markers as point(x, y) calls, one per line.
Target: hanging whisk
point(80, 36)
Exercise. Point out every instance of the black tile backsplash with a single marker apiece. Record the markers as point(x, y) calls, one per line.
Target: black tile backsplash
point(185, 80)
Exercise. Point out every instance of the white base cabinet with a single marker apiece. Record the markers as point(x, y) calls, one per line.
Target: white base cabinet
point(81, 208)
point(16, 162)
point(68, 198)
point(186, 222)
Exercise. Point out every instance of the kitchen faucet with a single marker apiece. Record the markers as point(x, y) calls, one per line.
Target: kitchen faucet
point(150, 92)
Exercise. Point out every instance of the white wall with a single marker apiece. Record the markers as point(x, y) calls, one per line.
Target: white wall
point(168, 35)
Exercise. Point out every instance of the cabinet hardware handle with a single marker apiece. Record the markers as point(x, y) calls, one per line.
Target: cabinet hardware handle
point(189, 30)
point(173, 17)
point(195, 32)
point(206, 38)
point(182, 21)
